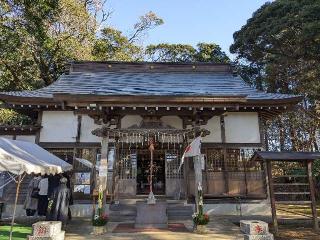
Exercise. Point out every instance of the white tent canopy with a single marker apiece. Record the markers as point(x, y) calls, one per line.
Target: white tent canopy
point(20, 157)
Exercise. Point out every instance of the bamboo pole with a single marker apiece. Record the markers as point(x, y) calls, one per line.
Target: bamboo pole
point(15, 205)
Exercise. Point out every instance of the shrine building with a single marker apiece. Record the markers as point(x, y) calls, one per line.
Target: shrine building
point(111, 110)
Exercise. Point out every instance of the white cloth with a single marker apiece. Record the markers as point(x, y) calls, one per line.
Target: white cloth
point(193, 149)
point(20, 157)
point(43, 187)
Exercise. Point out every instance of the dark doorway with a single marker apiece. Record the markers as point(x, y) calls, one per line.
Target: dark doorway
point(143, 172)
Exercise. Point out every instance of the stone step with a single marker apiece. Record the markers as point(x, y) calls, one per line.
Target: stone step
point(179, 218)
point(119, 207)
point(123, 213)
point(122, 218)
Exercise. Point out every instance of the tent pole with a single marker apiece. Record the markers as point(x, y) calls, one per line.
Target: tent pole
point(15, 205)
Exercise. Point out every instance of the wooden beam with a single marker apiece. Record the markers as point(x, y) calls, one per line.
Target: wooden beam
point(312, 196)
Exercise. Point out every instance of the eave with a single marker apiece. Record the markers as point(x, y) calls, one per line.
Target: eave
point(19, 129)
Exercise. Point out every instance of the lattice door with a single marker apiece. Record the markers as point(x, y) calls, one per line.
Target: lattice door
point(127, 165)
point(173, 158)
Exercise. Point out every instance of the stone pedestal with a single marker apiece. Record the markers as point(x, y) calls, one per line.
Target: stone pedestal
point(47, 230)
point(151, 215)
point(200, 229)
point(255, 230)
point(99, 230)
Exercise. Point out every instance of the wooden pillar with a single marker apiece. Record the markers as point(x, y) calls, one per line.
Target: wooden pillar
point(272, 199)
point(197, 178)
point(312, 196)
point(103, 169)
point(224, 151)
point(115, 171)
point(39, 122)
point(186, 167)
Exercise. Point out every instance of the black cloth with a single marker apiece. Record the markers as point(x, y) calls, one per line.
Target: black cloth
point(60, 204)
point(42, 205)
point(53, 183)
point(30, 212)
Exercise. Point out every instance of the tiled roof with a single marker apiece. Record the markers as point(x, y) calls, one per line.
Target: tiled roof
point(111, 83)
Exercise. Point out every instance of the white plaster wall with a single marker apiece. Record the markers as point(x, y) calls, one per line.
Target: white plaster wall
point(129, 120)
point(58, 126)
point(87, 126)
point(173, 121)
point(7, 136)
point(27, 138)
point(214, 127)
point(242, 127)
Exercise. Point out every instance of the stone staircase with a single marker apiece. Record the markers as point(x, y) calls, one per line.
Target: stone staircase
point(126, 210)
point(178, 211)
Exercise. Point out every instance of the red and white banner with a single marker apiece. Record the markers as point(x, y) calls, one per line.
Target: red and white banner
point(193, 149)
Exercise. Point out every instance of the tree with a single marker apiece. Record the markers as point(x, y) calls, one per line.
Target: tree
point(278, 51)
point(204, 52)
point(38, 37)
point(113, 45)
point(166, 52)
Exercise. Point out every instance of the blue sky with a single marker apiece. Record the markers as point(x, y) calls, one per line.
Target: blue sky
point(186, 21)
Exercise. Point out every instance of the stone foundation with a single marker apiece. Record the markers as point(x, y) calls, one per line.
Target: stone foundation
point(151, 215)
point(47, 230)
point(255, 230)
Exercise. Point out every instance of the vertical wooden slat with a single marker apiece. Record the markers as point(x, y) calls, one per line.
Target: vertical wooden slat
point(272, 198)
point(312, 196)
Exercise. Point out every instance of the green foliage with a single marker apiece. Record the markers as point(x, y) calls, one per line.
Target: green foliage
point(204, 52)
point(37, 39)
point(316, 169)
point(165, 52)
point(278, 51)
point(10, 117)
point(113, 45)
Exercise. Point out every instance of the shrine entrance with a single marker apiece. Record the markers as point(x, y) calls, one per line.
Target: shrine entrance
point(143, 172)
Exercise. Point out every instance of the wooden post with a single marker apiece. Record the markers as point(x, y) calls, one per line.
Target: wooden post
point(151, 148)
point(312, 196)
point(39, 122)
point(224, 150)
point(272, 199)
point(114, 171)
point(197, 178)
point(15, 206)
point(186, 172)
point(103, 169)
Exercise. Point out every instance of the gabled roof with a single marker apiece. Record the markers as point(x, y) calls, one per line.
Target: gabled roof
point(151, 79)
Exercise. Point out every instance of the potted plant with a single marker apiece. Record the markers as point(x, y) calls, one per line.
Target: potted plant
point(200, 219)
point(99, 219)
